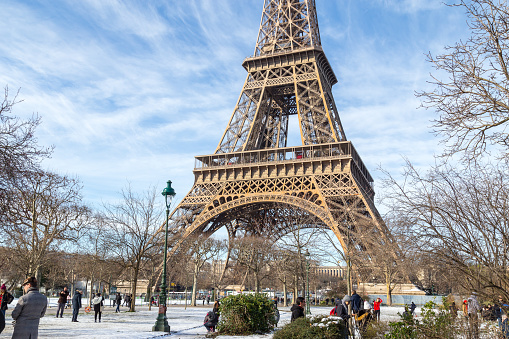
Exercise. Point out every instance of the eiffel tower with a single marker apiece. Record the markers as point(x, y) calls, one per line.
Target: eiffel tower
point(253, 172)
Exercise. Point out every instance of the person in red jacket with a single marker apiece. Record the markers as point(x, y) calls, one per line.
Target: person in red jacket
point(376, 308)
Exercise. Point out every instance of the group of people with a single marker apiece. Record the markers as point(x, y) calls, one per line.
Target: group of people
point(492, 312)
point(361, 310)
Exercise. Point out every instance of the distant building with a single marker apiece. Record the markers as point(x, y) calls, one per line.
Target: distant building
point(331, 271)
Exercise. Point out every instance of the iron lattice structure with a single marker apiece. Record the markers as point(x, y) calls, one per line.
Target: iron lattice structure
point(252, 172)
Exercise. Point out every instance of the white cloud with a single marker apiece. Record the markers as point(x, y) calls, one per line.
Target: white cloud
point(133, 90)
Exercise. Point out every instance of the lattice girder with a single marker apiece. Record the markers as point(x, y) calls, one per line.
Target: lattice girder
point(287, 25)
point(296, 88)
point(253, 170)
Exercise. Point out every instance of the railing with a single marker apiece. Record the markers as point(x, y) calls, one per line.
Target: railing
point(342, 149)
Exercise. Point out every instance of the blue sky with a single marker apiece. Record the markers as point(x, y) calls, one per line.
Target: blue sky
point(131, 91)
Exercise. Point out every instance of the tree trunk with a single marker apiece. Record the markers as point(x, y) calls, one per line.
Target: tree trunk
point(149, 293)
point(285, 302)
point(135, 284)
point(195, 284)
point(388, 285)
point(185, 298)
point(257, 281)
point(295, 288)
point(91, 289)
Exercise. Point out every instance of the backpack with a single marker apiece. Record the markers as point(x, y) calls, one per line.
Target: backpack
point(210, 317)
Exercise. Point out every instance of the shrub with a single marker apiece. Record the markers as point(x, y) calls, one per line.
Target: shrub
point(436, 322)
point(320, 327)
point(246, 314)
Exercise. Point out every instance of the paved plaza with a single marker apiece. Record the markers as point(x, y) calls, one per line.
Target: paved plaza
point(184, 322)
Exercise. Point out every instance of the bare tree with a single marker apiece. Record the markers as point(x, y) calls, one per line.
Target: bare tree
point(45, 212)
point(134, 222)
point(20, 154)
point(472, 101)
point(201, 250)
point(255, 255)
point(460, 218)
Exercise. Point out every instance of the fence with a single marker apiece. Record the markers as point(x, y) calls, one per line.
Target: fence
point(401, 299)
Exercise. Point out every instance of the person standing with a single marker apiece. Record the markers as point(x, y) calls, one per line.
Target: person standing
point(473, 319)
point(367, 305)
point(453, 310)
point(341, 309)
point(30, 309)
point(62, 300)
point(298, 309)
point(501, 309)
point(76, 305)
point(6, 298)
point(118, 299)
point(376, 308)
point(98, 306)
point(412, 308)
point(356, 302)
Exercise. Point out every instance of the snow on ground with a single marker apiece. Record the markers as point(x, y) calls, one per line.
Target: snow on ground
point(184, 322)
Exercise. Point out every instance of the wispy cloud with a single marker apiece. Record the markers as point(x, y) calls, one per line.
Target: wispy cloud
point(132, 90)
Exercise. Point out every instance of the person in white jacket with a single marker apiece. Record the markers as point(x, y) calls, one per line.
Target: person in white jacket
point(367, 305)
point(98, 306)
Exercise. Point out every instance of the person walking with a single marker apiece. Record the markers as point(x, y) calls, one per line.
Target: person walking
point(5, 298)
point(76, 305)
point(473, 318)
point(298, 309)
point(376, 308)
point(62, 301)
point(30, 309)
point(98, 306)
point(118, 299)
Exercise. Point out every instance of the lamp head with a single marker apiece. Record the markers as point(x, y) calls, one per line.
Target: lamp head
point(168, 190)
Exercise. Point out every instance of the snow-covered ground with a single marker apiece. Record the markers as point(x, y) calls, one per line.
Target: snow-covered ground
point(184, 322)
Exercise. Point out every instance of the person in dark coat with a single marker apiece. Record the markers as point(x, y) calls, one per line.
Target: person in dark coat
point(30, 309)
point(62, 301)
point(356, 301)
point(98, 306)
point(210, 321)
point(118, 299)
point(341, 309)
point(6, 298)
point(298, 309)
point(412, 308)
point(76, 305)
point(2, 322)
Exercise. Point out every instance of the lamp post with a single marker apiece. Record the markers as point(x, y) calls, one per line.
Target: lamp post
point(308, 307)
point(161, 321)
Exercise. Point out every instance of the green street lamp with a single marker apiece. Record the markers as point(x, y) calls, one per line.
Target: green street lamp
point(161, 321)
point(308, 307)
